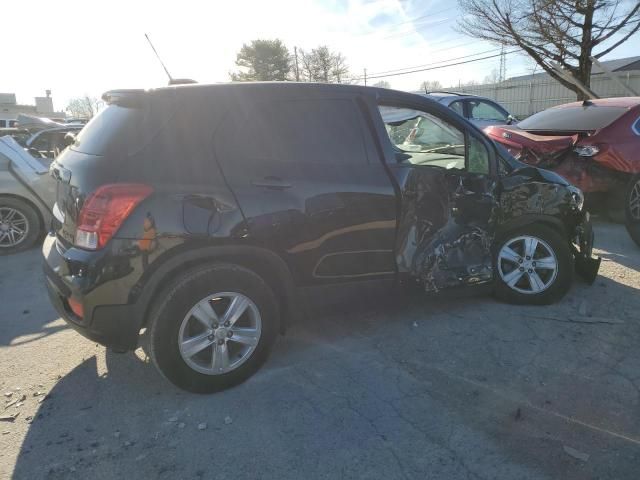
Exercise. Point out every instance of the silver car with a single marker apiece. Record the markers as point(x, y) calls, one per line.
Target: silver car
point(481, 111)
point(27, 192)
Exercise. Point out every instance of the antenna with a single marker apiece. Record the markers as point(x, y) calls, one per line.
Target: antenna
point(159, 59)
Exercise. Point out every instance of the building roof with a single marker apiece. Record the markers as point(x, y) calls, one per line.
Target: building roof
point(617, 65)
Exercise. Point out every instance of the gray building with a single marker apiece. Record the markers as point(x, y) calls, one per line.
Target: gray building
point(528, 94)
point(10, 109)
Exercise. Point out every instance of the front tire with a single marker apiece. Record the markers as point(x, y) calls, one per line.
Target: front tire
point(632, 209)
point(213, 328)
point(19, 225)
point(534, 265)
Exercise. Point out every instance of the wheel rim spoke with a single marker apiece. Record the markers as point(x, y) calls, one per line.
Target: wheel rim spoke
point(9, 216)
point(205, 314)
point(195, 344)
point(508, 254)
point(530, 246)
point(512, 278)
point(220, 357)
point(535, 281)
point(237, 307)
point(634, 202)
point(546, 263)
point(246, 336)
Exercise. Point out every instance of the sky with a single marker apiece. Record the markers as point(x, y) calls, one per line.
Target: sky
point(92, 46)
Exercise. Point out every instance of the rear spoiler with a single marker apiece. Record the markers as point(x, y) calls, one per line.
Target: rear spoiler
point(124, 98)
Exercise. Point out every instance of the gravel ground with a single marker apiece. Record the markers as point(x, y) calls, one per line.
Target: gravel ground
point(422, 388)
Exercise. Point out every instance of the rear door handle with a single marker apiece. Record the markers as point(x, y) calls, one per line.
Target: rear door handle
point(274, 183)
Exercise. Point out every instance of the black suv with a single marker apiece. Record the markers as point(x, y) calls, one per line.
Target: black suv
point(199, 212)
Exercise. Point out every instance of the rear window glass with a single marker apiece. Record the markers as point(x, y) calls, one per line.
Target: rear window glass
point(124, 130)
point(578, 118)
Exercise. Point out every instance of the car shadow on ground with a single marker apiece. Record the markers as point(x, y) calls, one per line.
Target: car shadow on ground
point(114, 414)
point(25, 309)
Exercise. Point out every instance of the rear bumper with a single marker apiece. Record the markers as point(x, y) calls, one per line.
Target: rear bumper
point(114, 326)
point(586, 266)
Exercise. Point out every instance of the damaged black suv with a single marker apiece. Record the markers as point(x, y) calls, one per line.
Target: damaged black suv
point(201, 212)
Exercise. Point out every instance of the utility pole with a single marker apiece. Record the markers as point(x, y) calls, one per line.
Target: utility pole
point(365, 77)
point(502, 74)
point(295, 53)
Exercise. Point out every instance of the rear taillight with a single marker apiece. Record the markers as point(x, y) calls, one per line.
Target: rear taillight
point(104, 211)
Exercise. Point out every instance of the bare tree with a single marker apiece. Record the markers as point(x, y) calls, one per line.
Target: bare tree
point(323, 65)
point(84, 107)
point(493, 77)
point(339, 67)
point(430, 86)
point(382, 84)
point(566, 32)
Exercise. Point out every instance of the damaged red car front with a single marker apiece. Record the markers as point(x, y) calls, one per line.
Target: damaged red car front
point(593, 144)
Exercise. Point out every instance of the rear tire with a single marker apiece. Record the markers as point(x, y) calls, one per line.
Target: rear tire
point(538, 277)
point(177, 321)
point(19, 225)
point(632, 208)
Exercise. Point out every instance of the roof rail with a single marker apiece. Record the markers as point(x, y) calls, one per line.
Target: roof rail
point(460, 94)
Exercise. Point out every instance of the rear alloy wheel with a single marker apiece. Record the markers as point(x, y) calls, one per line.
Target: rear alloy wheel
point(19, 225)
point(534, 265)
point(632, 209)
point(220, 333)
point(214, 328)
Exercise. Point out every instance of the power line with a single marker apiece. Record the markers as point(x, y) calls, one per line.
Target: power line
point(372, 77)
point(397, 70)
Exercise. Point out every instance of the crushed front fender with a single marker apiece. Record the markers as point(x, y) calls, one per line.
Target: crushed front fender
point(585, 264)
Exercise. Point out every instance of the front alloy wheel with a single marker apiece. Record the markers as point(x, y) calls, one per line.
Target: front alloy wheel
point(527, 264)
point(534, 265)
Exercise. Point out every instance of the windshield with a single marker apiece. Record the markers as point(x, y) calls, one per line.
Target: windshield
point(575, 118)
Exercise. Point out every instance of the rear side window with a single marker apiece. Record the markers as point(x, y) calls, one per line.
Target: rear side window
point(575, 118)
point(457, 107)
point(297, 131)
point(481, 110)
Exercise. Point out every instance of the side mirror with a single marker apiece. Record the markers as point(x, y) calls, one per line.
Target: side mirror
point(511, 120)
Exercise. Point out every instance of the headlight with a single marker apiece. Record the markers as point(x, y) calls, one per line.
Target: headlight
point(577, 196)
point(586, 151)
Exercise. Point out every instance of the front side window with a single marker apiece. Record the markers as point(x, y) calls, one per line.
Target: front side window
point(420, 138)
point(481, 110)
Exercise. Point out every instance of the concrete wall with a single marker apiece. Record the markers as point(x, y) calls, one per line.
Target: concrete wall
point(524, 97)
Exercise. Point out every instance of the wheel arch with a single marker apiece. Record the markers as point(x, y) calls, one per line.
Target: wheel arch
point(531, 219)
point(265, 263)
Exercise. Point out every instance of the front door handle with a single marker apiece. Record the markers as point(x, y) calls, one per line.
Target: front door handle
point(274, 183)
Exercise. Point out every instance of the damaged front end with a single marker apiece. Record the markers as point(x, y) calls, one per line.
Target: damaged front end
point(586, 266)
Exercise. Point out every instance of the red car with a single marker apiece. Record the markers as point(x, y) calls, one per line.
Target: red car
point(594, 144)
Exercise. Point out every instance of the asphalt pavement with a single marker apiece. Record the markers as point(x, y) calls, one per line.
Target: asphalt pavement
point(382, 387)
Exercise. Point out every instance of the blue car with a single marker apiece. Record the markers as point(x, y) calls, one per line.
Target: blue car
point(481, 111)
